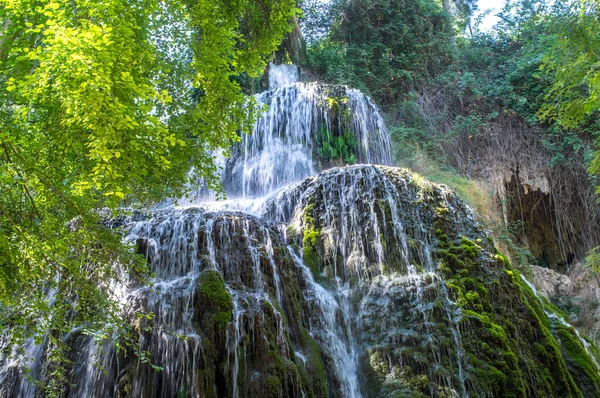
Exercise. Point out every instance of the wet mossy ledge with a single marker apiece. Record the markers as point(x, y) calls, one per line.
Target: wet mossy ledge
point(439, 311)
point(429, 307)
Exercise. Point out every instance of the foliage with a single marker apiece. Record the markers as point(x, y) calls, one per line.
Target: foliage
point(338, 147)
point(105, 103)
point(574, 62)
point(593, 259)
point(373, 46)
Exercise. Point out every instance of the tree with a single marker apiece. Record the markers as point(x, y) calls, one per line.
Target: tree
point(459, 13)
point(383, 46)
point(574, 61)
point(96, 109)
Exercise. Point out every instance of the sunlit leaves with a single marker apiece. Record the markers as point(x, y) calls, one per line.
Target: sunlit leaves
point(105, 103)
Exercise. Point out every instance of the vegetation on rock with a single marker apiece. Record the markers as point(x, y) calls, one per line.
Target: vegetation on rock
point(479, 109)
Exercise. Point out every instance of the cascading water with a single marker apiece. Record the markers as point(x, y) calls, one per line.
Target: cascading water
point(556, 318)
point(342, 284)
point(283, 75)
point(329, 325)
point(307, 127)
point(363, 211)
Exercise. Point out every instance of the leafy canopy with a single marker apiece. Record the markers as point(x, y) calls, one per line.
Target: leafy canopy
point(105, 103)
point(383, 46)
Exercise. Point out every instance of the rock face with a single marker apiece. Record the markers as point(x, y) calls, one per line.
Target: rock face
point(550, 283)
point(362, 281)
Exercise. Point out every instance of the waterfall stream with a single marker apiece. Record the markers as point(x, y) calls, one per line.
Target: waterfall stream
point(554, 317)
point(332, 330)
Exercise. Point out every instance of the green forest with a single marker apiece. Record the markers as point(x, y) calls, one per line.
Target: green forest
point(111, 108)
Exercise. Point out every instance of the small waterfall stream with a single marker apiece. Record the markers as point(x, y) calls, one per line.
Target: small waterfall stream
point(330, 326)
point(556, 318)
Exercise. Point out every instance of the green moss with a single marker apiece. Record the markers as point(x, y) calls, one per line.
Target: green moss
point(578, 359)
point(309, 250)
point(213, 287)
point(469, 248)
point(316, 366)
point(311, 241)
point(441, 236)
point(506, 335)
point(337, 141)
point(384, 269)
point(502, 259)
point(273, 385)
point(490, 377)
point(221, 319)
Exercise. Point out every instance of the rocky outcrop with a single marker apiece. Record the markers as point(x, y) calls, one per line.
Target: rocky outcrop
point(577, 293)
point(550, 283)
point(363, 281)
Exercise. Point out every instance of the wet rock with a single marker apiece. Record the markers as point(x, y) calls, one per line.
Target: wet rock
point(550, 283)
point(363, 281)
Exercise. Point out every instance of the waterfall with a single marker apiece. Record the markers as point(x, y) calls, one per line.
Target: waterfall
point(321, 275)
point(331, 329)
point(283, 75)
point(305, 127)
point(364, 212)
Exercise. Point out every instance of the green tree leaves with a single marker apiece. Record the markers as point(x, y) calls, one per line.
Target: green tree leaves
point(383, 46)
point(574, 62)
point(97, 108)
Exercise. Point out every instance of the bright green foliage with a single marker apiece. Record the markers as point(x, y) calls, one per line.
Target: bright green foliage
point(575, 64)
point(227, 49)
point(105, 103)
point(337, 147)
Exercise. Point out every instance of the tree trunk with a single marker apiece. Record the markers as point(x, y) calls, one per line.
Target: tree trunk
point(295, 45)
point(6, 38)
point(448, 8)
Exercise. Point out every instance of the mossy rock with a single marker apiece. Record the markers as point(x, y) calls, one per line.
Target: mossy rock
point(212, 286)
